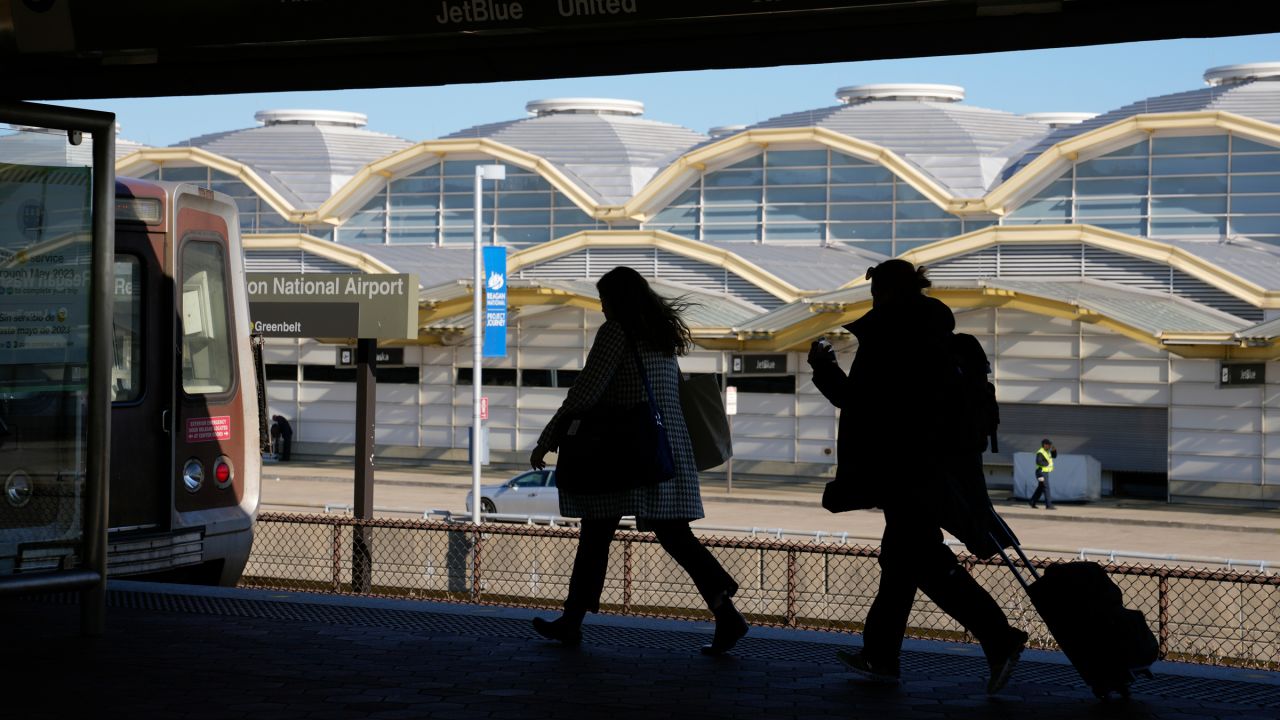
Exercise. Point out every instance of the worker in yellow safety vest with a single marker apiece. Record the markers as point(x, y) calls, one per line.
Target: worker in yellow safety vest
point(1044, 466)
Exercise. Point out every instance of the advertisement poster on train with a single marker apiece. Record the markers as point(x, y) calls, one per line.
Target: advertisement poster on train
point(45, 263)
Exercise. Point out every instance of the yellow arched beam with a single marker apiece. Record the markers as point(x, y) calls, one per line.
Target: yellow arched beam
point(1144, 248)
point(661, 240)
point(680, 173)
point(372, 177)
point(830, 316)
point(1052, 161)
point(141, 162)
point(345, 254)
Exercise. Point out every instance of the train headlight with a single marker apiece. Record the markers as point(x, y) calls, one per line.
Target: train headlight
point(222, 472)
point(192, 475)
point(18, 489)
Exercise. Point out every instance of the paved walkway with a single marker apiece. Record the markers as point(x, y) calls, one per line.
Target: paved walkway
point(195, 653)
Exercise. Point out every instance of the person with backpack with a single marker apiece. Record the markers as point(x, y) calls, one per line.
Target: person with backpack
point(906, 383)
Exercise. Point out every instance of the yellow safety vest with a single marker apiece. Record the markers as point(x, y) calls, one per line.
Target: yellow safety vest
point(1047, 457)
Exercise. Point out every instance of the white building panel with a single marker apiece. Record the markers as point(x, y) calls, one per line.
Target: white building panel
point(562, 340)
point(1100, 343)
point(1193, 442)
point(397, 394)
point(808, 428)
point(437, 355)
point(752, 448)
point(313, 353)
point(763, 404)
point(282, 392)
point(1215, 469)
point(403, 435)
point(406, 415)
point(1204, 394)
point(763, 427)
point(1200, 418)
point(815, 406)
point(438, 415)
point(1185, 370)
point(1092, 393)
point(548, 399)
point(1155, 372)
point(437, 437)
point(278, 351)
point(1036, 369)
point(1021, 391)
point(436, 395)
point(504, 439)
point(337, 412)
point(315, 392)
point(438, 375)
point(323, 431)
point(811, 451)
point(1048, 347)
point(550, 359)
point(976, 322)
point(1016, 322)
point(701, 363)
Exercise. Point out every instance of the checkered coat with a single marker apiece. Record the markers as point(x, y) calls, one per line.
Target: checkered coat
point(610, 376)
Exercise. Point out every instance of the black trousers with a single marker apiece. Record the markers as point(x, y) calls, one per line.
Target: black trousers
point(913, 556)
point(592, 560)
point(1042, 489)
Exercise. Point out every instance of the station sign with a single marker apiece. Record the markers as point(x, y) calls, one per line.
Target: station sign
point(495, 301)
point(383, 357)
point(1241, 374)
point(334, 305)
point(773, 364)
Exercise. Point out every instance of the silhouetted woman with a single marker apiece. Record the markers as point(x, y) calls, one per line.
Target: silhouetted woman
point(637, 320)
point(899, 444)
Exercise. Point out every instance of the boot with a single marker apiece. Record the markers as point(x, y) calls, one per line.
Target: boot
point(730, 627)
point(567, 629)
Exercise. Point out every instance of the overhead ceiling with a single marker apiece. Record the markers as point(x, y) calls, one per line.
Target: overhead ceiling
point(64, 49)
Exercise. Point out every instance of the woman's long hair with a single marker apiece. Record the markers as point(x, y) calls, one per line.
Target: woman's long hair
point(645, 316)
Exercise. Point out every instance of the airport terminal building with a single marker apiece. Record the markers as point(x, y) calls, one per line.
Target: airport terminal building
point(1121, 269)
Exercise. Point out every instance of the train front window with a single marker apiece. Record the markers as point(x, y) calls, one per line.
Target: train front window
point(206, 337)
point(126, 333)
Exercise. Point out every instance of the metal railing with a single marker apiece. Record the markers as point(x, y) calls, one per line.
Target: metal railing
point(1211, 616)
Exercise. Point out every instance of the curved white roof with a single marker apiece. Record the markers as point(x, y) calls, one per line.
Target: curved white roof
point(605, 146)
point(306, 155)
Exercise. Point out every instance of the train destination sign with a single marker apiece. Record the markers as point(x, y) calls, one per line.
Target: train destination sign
point(334, 305)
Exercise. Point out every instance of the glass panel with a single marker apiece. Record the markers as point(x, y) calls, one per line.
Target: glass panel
point(206, 340)
point(361, 236)
point(1211, 205)
point(1058, 208)
point(882, 248)
point(1207, 165)
point(562, 230)
point(464, 167)
point(523, 235)
point(861, 174)
point(729, 233)
point(927, 229)
point(733, 196)
point(796, 194)
point(414, 236)
point(921, 211)
point(1207, 226)
point(783, 213)
point(907, 193)
point(862, 211)
point(1256, 163)
point(792, 158)
point(1242, 145)
point(126, 336)
point(1136, 227)
point(1255, 184)
point(677, 214)
point(454, 236)
point(1255, 204)
point(185, 174)
point(807, 231)
point(45, 277)
point(754, 161)
point(1138, 149)
point(742, 178)
point(689, 231)
point(798, 177)
point(572, 216)
point(719, 215)
point(465, 184)
point(1206, 185)
point(417, 183)
point(524, 217)
point(1127, 186)
point(1112, 167)
point(861, 231)
point(524, 200)
point(405, 203)
point(688, 197)
point(521, 183)
point(1110, 207)
point(1256, 225)
point(856, 193)
point(1197, 144)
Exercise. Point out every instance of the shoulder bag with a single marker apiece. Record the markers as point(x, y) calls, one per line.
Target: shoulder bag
point(705, 417)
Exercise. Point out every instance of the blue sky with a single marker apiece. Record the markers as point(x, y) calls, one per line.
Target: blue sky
point(1084, 79)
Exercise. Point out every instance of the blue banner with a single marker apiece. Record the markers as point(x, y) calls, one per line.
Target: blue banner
point(495, 303)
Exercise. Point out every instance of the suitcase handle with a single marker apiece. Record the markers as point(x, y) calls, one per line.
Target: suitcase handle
point(1031, 570)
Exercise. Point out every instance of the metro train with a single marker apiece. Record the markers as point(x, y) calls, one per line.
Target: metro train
point(187, 413)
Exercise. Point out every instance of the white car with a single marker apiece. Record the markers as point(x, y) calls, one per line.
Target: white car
point(531, 493)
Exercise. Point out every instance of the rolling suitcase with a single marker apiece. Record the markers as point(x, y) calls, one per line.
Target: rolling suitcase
point(1109, 644)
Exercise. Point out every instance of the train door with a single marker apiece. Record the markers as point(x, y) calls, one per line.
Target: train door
point(142, 371)
point(216, 426)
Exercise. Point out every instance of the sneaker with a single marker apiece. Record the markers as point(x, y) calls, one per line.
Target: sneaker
point(1002, 665)
point(866, 670)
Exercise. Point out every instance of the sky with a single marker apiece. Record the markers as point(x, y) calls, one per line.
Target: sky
point(1084, 79)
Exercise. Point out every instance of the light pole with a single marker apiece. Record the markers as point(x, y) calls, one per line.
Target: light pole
point(483, 172)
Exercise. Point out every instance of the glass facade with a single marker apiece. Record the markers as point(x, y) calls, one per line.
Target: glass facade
point(435, 206)
point(256, 215)
point(809, 197)
point(1185, 186)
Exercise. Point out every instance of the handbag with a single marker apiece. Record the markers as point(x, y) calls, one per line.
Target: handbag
point(706, 419)
point(610, 448)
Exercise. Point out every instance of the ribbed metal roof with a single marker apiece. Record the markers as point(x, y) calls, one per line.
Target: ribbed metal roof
point(433, 265)
point(964, 148)
point(1250, 260)
point(305, 160)
point(707, 310)
point(1151, 312)
point(808, 267)
point(609, 155)
point(1256, 98)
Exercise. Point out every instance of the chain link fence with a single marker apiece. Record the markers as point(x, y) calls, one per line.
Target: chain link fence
point(1208, 616)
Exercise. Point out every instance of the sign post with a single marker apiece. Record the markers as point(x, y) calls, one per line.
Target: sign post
point(730, 409)
point(479, 327)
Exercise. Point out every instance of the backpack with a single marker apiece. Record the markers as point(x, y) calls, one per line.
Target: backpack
point(980, 414)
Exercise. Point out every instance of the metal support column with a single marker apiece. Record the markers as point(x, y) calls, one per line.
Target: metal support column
point(366, 401)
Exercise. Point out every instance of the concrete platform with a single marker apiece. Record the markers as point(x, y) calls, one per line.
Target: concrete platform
point(184, 652)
